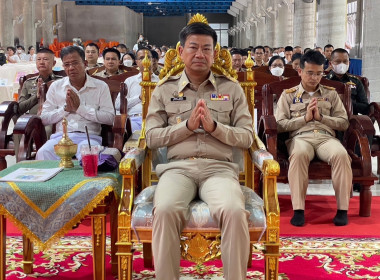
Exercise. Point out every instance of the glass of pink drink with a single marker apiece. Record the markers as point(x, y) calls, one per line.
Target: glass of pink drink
point(90, 160)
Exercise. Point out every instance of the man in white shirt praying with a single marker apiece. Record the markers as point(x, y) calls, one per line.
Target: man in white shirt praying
point(81, 99)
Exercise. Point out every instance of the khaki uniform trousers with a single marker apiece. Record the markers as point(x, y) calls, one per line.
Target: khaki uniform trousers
point(302, 149)
point(216, 183)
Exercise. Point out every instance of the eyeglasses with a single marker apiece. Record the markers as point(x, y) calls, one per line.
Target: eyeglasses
point(74, 64)
point(312, 74)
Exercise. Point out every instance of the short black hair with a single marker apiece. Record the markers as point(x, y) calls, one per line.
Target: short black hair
point(154, 54)
point(288, 48)
point(143, 49)
point(197, 28)
point(258, 47)
point(46, 50)
point(12, 48)
point(328, 46)
point(19, 46)
point(73, 49)
point(273, 58)
point(93, 45)
point(111, 50)
point(296, 56)
point(306, 50)
point(312, 57)
point(235, 51)
point(339, 50)
point(122, 46)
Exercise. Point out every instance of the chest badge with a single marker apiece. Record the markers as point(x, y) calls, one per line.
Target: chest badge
point(297, 100)
point(178, 96)
point(219, 97)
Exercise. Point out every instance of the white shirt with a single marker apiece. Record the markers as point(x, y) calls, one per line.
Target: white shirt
point(134, 105)
point(95, 106)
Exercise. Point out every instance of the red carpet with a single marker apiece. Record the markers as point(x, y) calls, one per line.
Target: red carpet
point(319, 213)
point(320, 249)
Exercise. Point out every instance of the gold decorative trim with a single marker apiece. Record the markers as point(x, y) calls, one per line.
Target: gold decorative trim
point(62, 199)
point(271, 167)
point(127, 166)
point(69, 225)
point(98, 229)
point(201, 247)
point(198, 18)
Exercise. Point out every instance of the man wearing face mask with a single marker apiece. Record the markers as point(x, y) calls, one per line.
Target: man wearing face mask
point(340, 63)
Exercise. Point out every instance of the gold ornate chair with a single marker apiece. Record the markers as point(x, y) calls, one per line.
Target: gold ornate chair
point(201, 238)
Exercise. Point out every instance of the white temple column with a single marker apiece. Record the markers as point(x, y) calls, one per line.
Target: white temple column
point(271, 23)
point(371, 43)
point(284, 26)
point(29, 18)
point(304, 24)
point(47, 28)
point(6, 31)
point(331, 28)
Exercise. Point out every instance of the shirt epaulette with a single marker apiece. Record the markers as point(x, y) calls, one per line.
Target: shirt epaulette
point(167, 78)
point(291, 90)
point(32, 78)
point(328, 87)
point(227, 77)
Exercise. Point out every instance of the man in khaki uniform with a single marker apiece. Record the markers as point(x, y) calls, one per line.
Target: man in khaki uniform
point(310, 113)
point(111, 58)
point(199, 117)
point(28, 99)
point(92, 55)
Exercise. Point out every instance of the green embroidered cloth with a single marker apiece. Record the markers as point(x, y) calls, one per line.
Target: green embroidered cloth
point(46, 210)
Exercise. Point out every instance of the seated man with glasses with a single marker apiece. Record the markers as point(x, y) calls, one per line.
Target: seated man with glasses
point(258, 55)
point(134, 106)
point(81, 99)
point(311, 113)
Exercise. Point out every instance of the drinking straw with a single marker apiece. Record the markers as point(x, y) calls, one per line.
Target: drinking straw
point(88, 138)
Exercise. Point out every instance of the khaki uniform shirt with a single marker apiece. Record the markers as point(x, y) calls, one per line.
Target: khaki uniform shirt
point(171, 105)
point(104, 74)
point(292, 105)
point(28, 100)
point(96, 65)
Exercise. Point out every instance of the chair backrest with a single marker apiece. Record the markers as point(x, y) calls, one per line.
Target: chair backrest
point(174, 66)
point(365, 83)
point(272, 92)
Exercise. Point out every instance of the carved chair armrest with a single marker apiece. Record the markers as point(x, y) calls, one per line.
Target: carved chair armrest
point(258, 153)
point(128, 167)
point(32, 131)
point(353, 140)
point(374, 111)
point(8, 110)
point(363, 124)
point(119, 131)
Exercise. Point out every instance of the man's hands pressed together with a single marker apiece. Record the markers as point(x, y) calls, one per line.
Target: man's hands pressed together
point(201, 117)
point(312, 111)
point(72, 101)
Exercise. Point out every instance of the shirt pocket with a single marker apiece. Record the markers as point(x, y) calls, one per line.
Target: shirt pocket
point(178, 111)
point(221, 111)
point(298, 109)
point(324, 108)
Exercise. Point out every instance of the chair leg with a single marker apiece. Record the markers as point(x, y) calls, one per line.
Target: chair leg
point(99, 245)
point(271, 256)
point(113, 222)
point(365, 201)
point(27, 247)
point(147, 254)
point(2, 247)
point(3, 163)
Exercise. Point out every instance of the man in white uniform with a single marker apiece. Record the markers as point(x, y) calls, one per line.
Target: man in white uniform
point(81, 99)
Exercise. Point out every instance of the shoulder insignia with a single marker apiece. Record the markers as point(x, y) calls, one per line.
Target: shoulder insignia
point(328, 87)
point(168, 78)
point(226, 77)
point(350, 83)
point(290, 90)
point(32, 78)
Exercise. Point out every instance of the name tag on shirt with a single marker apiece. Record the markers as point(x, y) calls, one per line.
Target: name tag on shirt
point(178, 98)
point(322, 99)
point(219, 97)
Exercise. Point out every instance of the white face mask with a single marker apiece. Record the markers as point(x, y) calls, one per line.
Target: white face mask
point(341, 68)
point(282, 54)
point(128, 63)
point(277, 71)
point(19, 51)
